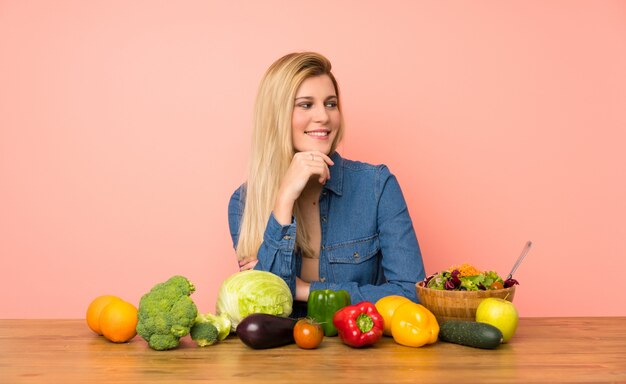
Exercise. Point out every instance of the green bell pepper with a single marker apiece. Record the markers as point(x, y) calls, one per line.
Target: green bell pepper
point(322, 305)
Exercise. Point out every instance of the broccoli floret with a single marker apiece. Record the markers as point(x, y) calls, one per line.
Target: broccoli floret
point(204, 333)
point(221, 323)
point(166, 313)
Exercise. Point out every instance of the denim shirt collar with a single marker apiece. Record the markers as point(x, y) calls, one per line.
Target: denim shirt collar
point(335, 184)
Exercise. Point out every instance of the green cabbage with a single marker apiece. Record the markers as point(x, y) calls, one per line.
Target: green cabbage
point(252, 291)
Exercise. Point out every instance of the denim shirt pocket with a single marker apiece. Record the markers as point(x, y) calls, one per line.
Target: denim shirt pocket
point(355, 260)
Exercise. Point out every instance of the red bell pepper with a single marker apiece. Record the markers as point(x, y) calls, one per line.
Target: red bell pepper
point(359, 325)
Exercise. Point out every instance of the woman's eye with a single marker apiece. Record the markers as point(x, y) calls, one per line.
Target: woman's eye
point(304, 105)
point(331, 104)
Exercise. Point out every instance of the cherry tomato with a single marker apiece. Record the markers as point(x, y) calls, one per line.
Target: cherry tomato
point(308, 334)
point(496, 285)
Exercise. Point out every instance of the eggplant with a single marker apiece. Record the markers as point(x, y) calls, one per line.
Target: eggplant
point(261, 331)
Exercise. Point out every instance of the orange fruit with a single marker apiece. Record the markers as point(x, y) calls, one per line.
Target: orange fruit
point(94, 310)
point(118, 321)
point(386, 306)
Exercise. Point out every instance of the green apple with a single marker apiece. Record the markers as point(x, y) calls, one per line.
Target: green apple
point(500, 313)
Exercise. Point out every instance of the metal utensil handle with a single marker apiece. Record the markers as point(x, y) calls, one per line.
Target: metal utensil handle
point(520, 258)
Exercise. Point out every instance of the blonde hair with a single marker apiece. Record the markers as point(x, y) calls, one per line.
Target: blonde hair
point(272, 146)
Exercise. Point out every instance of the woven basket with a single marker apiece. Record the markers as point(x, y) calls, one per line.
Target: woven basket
point(457, 305)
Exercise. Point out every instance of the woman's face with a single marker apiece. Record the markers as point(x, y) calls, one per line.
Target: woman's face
point(316, 118)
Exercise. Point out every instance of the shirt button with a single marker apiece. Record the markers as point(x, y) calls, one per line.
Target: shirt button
point(287, 237)
point(322, 279)
point(324, 193)
point(323, 219)
point(323, 247)
point(356, 255)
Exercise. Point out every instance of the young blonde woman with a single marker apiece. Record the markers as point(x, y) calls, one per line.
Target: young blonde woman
point(306, 214)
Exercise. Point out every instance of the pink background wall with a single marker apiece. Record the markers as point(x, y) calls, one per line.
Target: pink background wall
point(124, 128)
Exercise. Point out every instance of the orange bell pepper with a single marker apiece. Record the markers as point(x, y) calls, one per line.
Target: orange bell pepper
point(414, 325)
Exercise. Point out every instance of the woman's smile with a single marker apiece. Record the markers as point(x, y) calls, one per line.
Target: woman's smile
point(318, 134)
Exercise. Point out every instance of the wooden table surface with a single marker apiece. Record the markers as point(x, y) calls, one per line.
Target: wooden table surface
point(543, 350)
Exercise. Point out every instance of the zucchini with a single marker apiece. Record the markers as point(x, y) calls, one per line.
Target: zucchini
point(470, 333)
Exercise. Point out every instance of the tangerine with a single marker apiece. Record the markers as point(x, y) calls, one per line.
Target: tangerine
point(118, 321)
point(94, 310)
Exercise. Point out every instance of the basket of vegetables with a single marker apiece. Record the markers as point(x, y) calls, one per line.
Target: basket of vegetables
point(454, 294)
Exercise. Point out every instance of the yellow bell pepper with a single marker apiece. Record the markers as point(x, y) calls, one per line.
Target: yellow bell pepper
point(414, 325)
point(386, 306)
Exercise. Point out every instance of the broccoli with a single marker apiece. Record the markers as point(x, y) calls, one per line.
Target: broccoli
point(221, 323)
point(166, 313)
point(204, 333)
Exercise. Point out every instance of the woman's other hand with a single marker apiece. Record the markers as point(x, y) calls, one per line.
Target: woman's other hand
point(302, 290)
point(246, 264)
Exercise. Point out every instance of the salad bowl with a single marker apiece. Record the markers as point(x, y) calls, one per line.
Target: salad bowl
point(457, 305)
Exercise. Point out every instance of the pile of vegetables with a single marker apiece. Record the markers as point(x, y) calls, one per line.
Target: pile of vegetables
point(467, 278)
point(256, 305)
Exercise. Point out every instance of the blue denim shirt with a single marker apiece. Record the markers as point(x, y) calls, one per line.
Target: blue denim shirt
point(368, 244)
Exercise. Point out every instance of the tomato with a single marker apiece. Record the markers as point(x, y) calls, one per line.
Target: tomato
point(496, 285)
point(308, 334)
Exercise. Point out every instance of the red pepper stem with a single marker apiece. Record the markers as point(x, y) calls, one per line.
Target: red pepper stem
point(364, 322)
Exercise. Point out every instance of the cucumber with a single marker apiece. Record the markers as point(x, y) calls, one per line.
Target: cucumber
point(470, 333)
